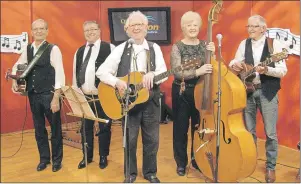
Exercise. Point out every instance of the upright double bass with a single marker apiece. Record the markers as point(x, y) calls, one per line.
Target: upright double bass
point(237, 150)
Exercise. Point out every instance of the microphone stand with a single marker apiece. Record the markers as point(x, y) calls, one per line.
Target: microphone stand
point(219, 93)
point(125, 128)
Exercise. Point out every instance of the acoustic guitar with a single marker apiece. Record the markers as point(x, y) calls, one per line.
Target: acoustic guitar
point(248, 73)
point(113, 102)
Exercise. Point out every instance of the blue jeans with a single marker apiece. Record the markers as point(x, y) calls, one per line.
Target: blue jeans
point(269, 112)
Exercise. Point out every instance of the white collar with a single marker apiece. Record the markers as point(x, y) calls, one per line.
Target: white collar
point(96, 43)
point(34, 44)
point(144, 45)
point(261, 40)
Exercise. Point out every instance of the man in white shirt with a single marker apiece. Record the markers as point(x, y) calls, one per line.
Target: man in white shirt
point(87, 59)
point(253, 51)
point(137, 54)
point(46, 73)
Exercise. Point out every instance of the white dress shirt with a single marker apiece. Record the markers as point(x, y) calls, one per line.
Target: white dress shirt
point(88, 87)
point(56, 62)
point(257, 47)
point(108, 70)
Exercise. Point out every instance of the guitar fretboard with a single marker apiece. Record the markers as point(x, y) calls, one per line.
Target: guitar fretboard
point(266, 62)
point(161, 76)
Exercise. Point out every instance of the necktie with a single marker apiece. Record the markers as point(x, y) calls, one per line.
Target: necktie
point(82, 72)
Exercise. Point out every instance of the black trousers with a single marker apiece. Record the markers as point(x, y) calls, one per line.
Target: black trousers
point(146, 116)
point(104, 134)
point(40, 108)
point(183, 108)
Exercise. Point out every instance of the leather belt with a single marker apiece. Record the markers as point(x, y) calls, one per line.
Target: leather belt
point(257, 86)
point(177, 82)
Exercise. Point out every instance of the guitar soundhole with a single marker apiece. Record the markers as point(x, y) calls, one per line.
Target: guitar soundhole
point(133, 94)
point(133, 90)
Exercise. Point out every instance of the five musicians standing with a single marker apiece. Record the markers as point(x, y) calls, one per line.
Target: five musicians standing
point(100, 61)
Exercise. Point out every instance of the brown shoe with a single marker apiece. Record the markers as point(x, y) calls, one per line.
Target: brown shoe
point(270, 176)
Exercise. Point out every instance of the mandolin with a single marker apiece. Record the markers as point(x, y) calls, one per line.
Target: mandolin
point(248, 73)
point(21, 82)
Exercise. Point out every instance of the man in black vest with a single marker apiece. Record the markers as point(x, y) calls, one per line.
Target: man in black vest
point(47, 73)
point(253, 51)
point(137, 54)
point(87, 59)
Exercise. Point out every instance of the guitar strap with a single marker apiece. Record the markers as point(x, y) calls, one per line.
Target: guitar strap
point(35, 59)
point(148, 60)
point(270, 45)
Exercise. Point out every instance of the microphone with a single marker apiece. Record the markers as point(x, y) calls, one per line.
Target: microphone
point(219, 39)
point(131, 41)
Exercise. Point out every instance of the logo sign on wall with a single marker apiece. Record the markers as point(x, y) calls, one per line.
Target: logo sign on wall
point(290, 40)
point(158, 28)
point(14, 43)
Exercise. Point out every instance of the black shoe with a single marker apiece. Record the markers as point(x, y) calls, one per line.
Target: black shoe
point(181, 171)
point(103, 162)
point(42, 166)
point(131, 179)
point(56, 167)
point(152, 179)
point(82, 164)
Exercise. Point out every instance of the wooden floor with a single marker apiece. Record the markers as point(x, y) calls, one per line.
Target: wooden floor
point(22, 166)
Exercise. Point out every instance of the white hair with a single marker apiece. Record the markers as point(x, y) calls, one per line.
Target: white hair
point(262, 21)
point(135, 14)
point(91, 22)
point(189, 17)
point(40, 20)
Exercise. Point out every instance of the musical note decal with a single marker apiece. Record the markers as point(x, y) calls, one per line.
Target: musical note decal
point(286, 38)
point(293, 41)
point(25, 37)
point(5, 43)
point(18, 43)
point(290, 40)
point(14, 43)
point(277, 36)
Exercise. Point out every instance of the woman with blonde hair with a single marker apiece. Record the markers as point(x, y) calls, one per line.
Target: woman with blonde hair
point(183, 105)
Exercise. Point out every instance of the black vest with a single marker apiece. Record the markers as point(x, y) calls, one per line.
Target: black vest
point(42, 76)
point(125, 62)
point(270, 85)
point(125, 65)
point(104, 52)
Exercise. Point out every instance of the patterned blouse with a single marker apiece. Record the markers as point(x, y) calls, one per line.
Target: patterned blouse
point(181, 52)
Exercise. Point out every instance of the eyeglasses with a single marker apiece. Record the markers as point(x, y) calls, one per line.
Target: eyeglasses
point(252, 26)
point(90, 30)
point(138, 25)
point(39, 29)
